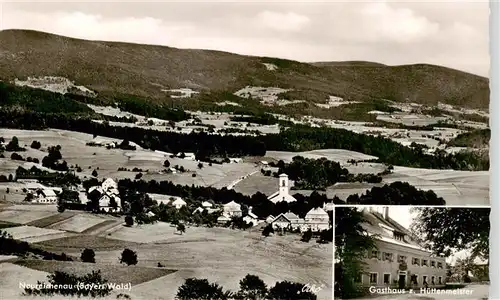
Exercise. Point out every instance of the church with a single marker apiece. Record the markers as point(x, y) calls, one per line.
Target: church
point(283, 191)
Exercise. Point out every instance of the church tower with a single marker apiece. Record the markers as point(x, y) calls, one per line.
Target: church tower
point(283, 184)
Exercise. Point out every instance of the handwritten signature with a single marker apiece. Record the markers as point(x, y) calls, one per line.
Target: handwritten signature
point(312, 288)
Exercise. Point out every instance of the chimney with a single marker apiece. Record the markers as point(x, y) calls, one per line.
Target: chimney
point(386, 213)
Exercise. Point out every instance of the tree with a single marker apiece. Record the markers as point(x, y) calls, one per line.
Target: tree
point(166, 164)
point(181, 228)
point(201, 289)
point(13, 145)
point(306, 237)
point(129, 220)
point(289, 290)
point(448, 229)
point(60, 205)
point(88, 255)
point(200, 165)
point(252, 288)
point(36, 145)
point(267, 230)
point(94, 173)
point(129, 257)
point(351, 244)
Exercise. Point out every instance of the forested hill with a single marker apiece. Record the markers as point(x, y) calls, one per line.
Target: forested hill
point(111, 68)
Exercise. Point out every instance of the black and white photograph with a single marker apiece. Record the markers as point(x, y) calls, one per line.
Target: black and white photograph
point(186, 150)
point(398, 252)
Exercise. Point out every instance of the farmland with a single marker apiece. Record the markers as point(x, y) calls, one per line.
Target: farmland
point(231, 255)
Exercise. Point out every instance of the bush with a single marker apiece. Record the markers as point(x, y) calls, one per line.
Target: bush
point(128, 257)
point(88, 255)
point(94, 173)
point(36, 145)
point(129, 220)
point(306, 237)
point(16, 156)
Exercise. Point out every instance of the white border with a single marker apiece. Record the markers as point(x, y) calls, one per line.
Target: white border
point(494, 267)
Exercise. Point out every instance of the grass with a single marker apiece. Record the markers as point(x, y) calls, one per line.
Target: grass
point(4, 225)
point(114, 69)
point(82, 241)
point(113, 273)
point(45, 222)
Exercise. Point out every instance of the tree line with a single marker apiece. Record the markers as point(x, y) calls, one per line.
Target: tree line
point(295, 138)
point(318, 174)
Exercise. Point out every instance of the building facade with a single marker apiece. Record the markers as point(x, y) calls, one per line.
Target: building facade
point(283, 193)
point(399, 261)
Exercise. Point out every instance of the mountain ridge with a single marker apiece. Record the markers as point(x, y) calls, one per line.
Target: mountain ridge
point(144, 70)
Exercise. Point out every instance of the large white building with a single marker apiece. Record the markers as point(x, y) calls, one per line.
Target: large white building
point(399, 260)
point(317, 219)
point(283, 193)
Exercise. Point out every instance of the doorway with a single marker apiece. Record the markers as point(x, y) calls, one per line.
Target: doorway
point(402, 281)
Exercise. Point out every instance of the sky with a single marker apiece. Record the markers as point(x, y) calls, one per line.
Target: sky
point(454, 34)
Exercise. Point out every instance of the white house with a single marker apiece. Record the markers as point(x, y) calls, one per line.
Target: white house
point(317, 219)
point(187, 155)
point(178, 203)
point(328, 206)
point(206, 204)
point(251, 218)
point(109, 184)
point(110, 203)
point(232, 209)
point(223, 219)
point(283, 191)
point(288, 220)
point(46, 196)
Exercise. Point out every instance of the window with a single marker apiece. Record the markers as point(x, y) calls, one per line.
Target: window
point(374, 254)
point(398, 236)
point(414, 279)
point(283, 183)
point(373, 277)
point(415, 261)
point(425, 263)
point(401, 258)
point(440, 265)
point(388, 256)
point(440, 280)
point(433, 264)
point(433, 281)
point(387, 278)
point(424, 279)
point(358, 278)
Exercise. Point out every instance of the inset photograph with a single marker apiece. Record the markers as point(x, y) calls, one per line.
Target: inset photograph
point(399, 252)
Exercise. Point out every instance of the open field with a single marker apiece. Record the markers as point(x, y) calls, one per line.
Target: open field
point(76, 244)
point(78, 223)
point(232, 255)
point(113, 273)
point(24, 216)
point(339, 155)
point(75, 152)
point(34, 234)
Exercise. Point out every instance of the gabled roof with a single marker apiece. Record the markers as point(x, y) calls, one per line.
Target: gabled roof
point(317, 211)
point(232, 204)
point(206, 204)
point(252, 215)
point(178, 201)
point(373, 226)
point(49, 193)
